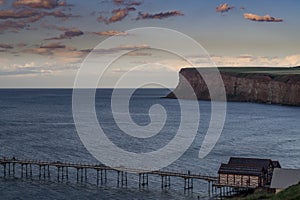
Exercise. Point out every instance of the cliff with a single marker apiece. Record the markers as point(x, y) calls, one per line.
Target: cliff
point(264, 85)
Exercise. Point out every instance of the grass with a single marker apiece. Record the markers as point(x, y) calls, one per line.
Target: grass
point(262, 70)
point(291, 193)
point(266, 70)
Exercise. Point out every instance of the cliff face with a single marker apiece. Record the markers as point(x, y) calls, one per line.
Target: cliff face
point(244, 87)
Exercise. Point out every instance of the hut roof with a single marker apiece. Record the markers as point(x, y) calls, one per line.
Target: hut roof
point(262, 163)
point(247, 166)
point(283, 178)
point(240, 169)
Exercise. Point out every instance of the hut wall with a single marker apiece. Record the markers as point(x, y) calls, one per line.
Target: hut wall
point(230, 179)
point(246, 181)
point(238, 180)
point(254, 181)
point(223, 179)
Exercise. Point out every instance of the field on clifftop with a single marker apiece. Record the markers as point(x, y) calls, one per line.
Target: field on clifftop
point(263, 70)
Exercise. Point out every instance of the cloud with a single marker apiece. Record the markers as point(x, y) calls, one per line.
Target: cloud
point(13, 26)
point(20, 69)
point(52, 26)
point(55, 45)
point(117, 15)
point(127, 3)
point(68, 34)
point(32, 15)
point(39, 51)
point(21, 45)
point(32, 68)
point(137, 53)
point(2, 2)
point(12, 14)
point(6, 46)
point(133, 3)
point(120, 48)
point(265, 18)
point(73, 33)
point(132, 47)
point(250, 61)
point(45, 4)
point(60, 14)
point(110, 33)
point(60, 53)
point(224, 8)
point(118, 2)
point(160, 15)
point(69, 57)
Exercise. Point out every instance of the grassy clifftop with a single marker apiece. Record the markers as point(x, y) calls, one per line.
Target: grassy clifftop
point(255, 70)
point(291, 193)
point(263, 70)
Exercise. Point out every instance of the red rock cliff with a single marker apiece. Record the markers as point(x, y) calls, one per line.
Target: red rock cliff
point(244, 87)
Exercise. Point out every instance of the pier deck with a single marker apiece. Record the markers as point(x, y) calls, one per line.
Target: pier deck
point(26, 168)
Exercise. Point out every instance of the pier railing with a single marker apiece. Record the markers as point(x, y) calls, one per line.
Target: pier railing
point(26, 168)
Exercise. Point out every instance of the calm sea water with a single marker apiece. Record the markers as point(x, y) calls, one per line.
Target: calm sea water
point(38, 124)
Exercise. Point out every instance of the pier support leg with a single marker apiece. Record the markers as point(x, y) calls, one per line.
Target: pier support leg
point(97, 177)
point(77, 175)
point(85, 174)
point(40, 172)
point(30, 170)
point(4, 171)
point(67, 174)
point(14, 166)
point(9, 169)
point(26, 170)
point(57, 174)
point(21, 170)
point(48, 171)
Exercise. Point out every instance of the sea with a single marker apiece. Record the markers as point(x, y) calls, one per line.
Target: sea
point(38, 124)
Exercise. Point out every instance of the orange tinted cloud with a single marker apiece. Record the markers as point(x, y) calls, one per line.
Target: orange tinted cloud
point(109, 33)
point(160, 15)
point(32, 15)
point(53, 46)
point(224, 8)
point(12, 14)
point(46, 4)
point(265, 18)
point(40, 51)
point(13, 26)
point(117, 15)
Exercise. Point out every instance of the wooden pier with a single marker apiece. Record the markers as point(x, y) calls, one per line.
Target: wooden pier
point(42, 170)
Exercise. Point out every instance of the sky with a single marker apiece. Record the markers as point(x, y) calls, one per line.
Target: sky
point(44, 43)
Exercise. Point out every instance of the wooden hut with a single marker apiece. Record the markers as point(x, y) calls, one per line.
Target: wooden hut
point(247, 172)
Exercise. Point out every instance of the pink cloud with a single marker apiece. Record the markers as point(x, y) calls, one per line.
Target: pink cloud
point(224, 8)
point(265, 18)
point(45, 4)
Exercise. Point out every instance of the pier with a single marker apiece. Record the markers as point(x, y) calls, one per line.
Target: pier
point(12, 167)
